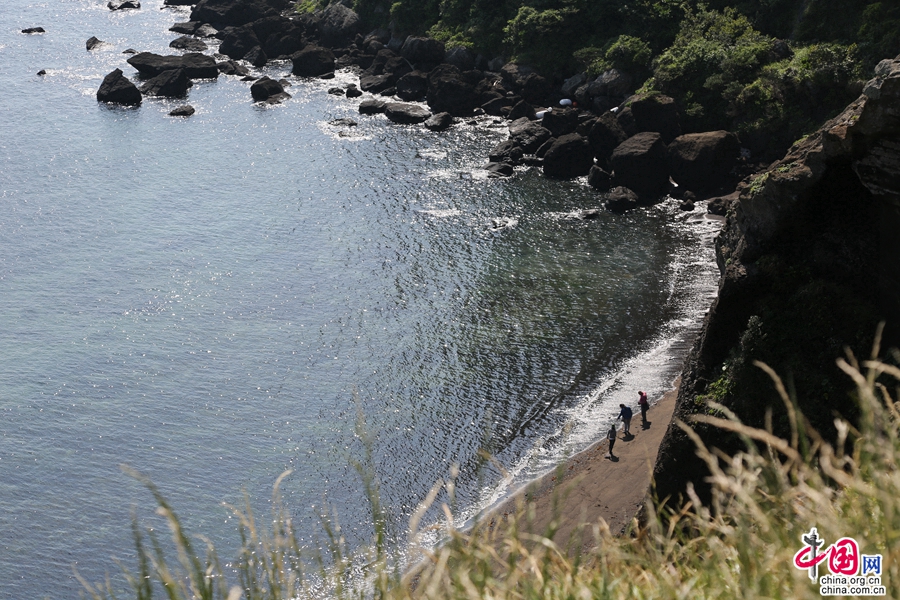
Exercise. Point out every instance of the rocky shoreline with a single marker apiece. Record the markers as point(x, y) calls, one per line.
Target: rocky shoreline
point(630, 147)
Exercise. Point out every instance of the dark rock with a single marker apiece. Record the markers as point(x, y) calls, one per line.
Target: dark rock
point(424, 53)
point(230, 67)
point(569, 156)
point(249, 78)
point(625, 119)
point(372, 106)
point(542, 149)
point(187, 42)
point(328, 75)
point(186, 27)
point(527, 134)
point(92, 43)
point(449, 91)
point(284, 44)
point(34, 30)
point(686, 205)
point(256, 57)
point(285, 83)
point(171, 84)
point(620, 200)
point(336, 91)
point(345, 122)
point(560, 121)
point(521, 109)
point(179, 2)
point(585, 125)
point(195, 65)
point(123, 4)
point(412, 86)
point(338, 25)
point(129, 51)
point(42, 72)
point(656, 113)
point(353, 91)
point(506, 152)
point(599, 179)
point(206, 31)
point(182, 111)
point(406, 114)
point(494, 107)
point(535, 89)
point(689, 196)
point(238, 42)
point(234, 13)
point(719, 206)
point(265, 88)
point(439, 122)
point(639, 163)
point(613, 83)
point(499, 169)
point(275, 25)
point(606, 134)
point(703, 161)
point(375, 84)
point(116, 88)
point(514, 74)
point(572, 84)
point(313, 61)
point(460, 57)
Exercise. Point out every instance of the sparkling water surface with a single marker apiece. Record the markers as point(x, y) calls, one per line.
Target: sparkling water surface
point(217, 299)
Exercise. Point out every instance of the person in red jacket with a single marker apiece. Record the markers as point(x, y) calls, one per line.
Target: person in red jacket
point(644, 404)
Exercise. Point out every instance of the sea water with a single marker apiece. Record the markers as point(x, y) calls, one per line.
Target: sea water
point(215, 300)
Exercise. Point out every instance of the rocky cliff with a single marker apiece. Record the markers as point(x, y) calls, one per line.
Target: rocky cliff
point(810, 262)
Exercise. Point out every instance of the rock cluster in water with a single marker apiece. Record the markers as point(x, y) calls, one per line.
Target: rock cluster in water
point(621, 142)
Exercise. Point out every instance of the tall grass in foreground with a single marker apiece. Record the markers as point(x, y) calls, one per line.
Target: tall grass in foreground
point(740, 546)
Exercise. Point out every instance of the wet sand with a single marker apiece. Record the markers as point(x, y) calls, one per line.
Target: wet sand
point(590, 486)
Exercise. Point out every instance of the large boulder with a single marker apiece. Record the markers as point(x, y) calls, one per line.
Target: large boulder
point(424, 53)
point(639, 163)
point(449, 91)
point(188, 43)
point(372, 106)
point(412, 86)
point(238, 42)
point(406, 114)
point(571, 85)
point(613, 83)
point(117, 89)
point(569, 156)
point(313, 61)
point(656, 113)
point(234, 13)
point(528, 134)
point(536, 89)
point(338, 25)
point(284, 44)
point(599, 179)
point(620, 200)
point(439, 122)
point(560, 121)
point(506, 152)
point(521, 109)
point(195, 65)
point(266, 89)
point(605, 136)
point(460, 57)
point(171, 84)
point(703, 161)
point(375, 84)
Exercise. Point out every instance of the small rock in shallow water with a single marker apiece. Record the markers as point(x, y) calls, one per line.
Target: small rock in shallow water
point(187, 42)
point(34, 30)
point(182, 111)
point(129, 51)
point(336, 91)
point(345, 122)
point(92, 43)
point(123, 4)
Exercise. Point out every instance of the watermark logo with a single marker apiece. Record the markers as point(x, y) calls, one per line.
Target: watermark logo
point(851, 573)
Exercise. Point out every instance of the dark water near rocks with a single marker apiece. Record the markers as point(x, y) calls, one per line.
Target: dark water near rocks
point(214, 300)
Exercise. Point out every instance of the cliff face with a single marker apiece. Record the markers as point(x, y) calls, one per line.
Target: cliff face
point(810, 261)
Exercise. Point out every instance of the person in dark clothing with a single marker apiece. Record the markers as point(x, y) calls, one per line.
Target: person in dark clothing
point(611, 436)
point(644, 404)
point(625, 414)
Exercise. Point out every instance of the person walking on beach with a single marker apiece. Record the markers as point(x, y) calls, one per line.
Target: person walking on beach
point(625, 414)
point(611, 436)
point(644, 404)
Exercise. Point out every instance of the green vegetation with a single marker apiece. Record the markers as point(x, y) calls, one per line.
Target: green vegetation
point(740, 544)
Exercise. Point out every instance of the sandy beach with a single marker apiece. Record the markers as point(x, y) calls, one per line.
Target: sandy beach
point(590, 485)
